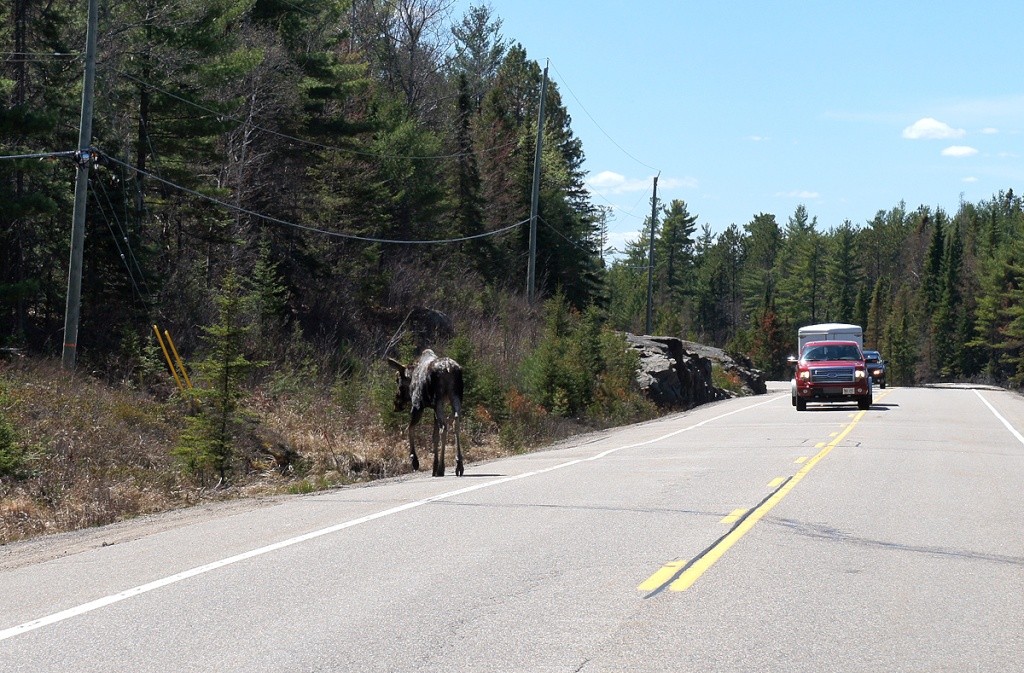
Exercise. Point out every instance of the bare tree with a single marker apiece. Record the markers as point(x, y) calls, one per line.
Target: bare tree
point(406, 41)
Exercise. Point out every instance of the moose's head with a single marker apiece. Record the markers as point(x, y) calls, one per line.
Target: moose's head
point(403, 394)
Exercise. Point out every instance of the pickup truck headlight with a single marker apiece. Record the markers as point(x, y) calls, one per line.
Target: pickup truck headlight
point(860, 375)
point(804, 375)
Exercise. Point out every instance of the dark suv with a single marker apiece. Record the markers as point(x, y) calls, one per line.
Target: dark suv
point(876, 367)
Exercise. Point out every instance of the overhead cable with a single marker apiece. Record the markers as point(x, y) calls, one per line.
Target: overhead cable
point(311, 143)
point(40, 155)
point(336, 234)
point(582, 107)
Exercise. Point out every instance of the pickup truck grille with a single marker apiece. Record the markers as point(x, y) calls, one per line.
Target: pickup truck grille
point(832, 374)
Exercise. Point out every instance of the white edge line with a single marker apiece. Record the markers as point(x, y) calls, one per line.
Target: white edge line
point(172, 579)
point(1020, 438)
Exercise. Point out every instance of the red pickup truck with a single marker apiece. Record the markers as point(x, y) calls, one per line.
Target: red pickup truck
point(831, 371)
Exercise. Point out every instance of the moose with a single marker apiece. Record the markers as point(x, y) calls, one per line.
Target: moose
point(431, 382)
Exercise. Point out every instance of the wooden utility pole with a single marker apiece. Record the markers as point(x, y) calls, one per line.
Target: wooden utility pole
point(83, 158)
point(531, 269)
point(650, 259)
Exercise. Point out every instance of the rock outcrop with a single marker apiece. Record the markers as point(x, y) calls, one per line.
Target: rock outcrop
point(677, 374)
point(739, 366)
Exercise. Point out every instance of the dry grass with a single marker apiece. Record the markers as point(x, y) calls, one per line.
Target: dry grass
point(92, 454)
point(97, 454)
point(88, 453)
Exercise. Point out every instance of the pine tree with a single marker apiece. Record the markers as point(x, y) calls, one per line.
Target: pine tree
point(758, 282)
point(207, 444)
point(479, 51)
point(947, 320)
point(874, 326)
point(901, 341)
point(674, 251)
point(843, 273)
point(799, 270)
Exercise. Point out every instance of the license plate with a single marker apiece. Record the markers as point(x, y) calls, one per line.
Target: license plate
point(847, 391)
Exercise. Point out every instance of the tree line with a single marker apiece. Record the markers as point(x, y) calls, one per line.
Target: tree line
point(348, 160)
point(939, 294)
point(317, 147)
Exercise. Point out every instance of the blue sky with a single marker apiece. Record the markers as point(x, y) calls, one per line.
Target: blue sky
point(750, 107)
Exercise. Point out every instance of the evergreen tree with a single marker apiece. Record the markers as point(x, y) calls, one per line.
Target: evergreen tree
point(901, 341)
point(948, 318)
point(35, 198)
point(674, 254)
point(798, 269)
point(468, 199)
point(208, 441)
point(843, 273)
point(874, 326)
point(758, 280)
point(479, 51)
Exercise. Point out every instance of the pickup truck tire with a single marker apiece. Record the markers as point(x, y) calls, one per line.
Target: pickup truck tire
point(882, 385)
point(864, 403)
point(801, 405)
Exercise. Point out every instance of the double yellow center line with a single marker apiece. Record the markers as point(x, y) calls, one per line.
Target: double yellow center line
point(680, 575)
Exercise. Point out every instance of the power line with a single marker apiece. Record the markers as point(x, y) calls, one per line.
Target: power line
point(311, 143)
point(336, 234)
point(35, 57)
point(117, 244)
point(617, 209)
point(43, 54)
point(123, 230)
point(40, 155)
point(583, 107)
point(579, 245)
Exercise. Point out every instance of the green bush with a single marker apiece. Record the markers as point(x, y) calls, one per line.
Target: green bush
point(582, 369)
point(13, 455)
point(207, 443)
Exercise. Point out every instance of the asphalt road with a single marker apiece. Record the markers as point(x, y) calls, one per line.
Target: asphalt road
point(740, 536)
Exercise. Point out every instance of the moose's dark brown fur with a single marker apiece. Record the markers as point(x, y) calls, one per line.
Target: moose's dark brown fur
point(431, 382)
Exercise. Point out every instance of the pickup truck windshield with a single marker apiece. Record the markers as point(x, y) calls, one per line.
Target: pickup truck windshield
point(819, 353)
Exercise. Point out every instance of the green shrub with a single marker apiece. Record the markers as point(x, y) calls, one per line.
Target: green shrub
point(725, 380)
point(207, 442)
point(13, 454)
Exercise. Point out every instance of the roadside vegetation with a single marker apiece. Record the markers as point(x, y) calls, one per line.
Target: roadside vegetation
point(296, 190)
point(83, 450)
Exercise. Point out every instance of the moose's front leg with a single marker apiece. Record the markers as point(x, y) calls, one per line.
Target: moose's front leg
point(413, 460)
point(459, 468)
point(439, 437)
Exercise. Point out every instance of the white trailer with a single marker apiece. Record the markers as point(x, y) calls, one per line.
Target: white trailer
point(829, 331)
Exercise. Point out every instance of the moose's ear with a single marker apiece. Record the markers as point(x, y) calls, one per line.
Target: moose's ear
point(396, 364)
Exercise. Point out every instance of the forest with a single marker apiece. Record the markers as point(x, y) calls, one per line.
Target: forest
point(384, 149)
point(281, 184)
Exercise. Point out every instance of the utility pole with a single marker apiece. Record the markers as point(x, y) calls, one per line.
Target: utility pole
point(83, 159)
point(531, 269)
point(650, 258)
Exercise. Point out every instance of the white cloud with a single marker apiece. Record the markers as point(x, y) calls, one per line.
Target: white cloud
point(970, 179)
point(959, 151)
point(990, 131)
point(610, 182)
point(616, 183)
point(931, 129)
point(757, 139)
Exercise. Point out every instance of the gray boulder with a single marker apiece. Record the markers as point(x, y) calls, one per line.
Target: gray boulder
point(741, 367)
point(676, 374)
